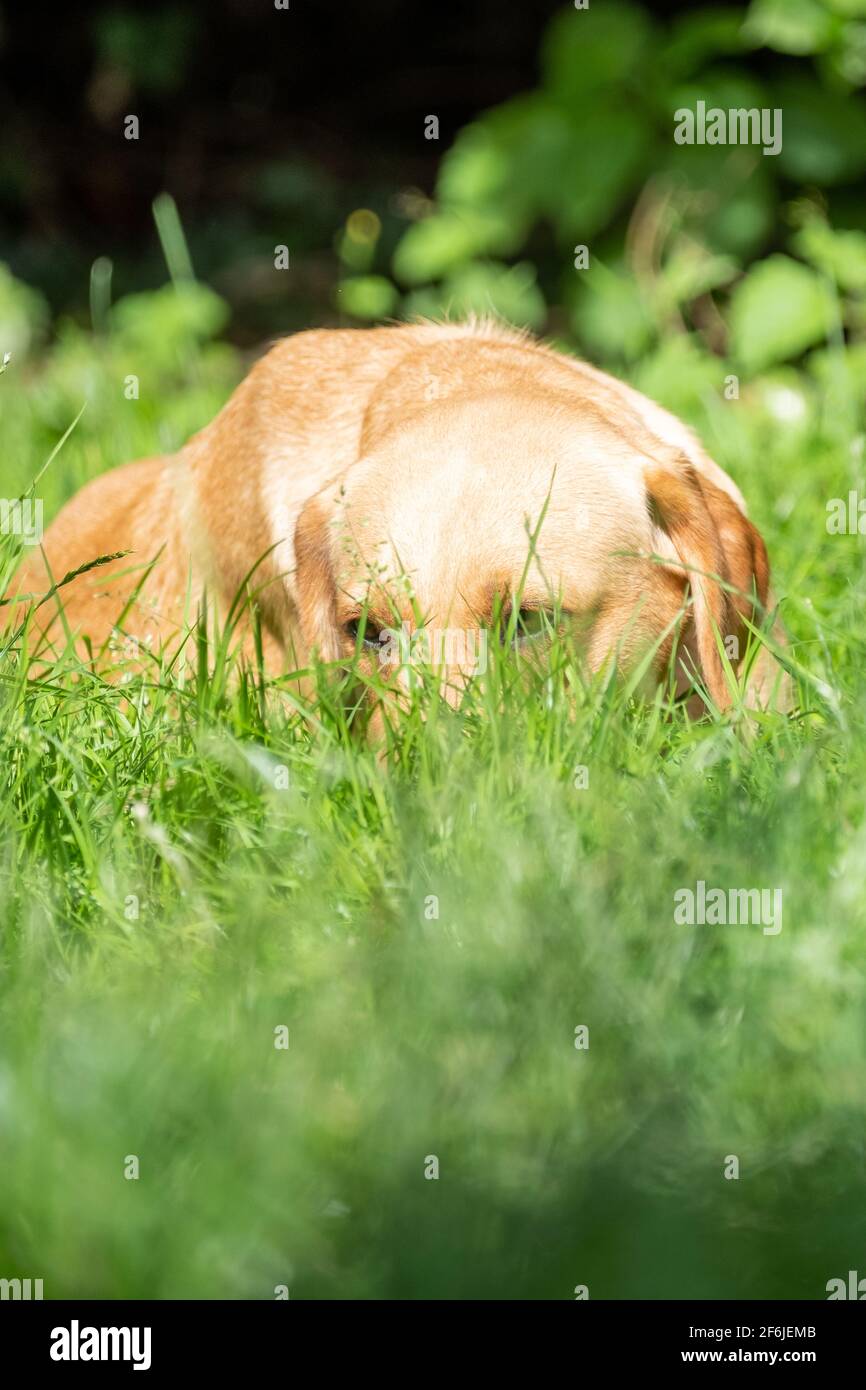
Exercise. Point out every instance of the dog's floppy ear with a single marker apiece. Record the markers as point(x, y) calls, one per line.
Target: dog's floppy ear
point(748, 567)
point(315, 588)
point(724, 559)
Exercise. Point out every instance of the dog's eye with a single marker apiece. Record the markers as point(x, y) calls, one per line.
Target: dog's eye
point(371, 631)
point(531, 623)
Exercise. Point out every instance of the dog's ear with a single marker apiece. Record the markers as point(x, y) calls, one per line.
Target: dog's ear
point(724, 559)
point(748, 567)
point(315, 588)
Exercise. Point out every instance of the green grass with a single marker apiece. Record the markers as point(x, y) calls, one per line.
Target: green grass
point(186, 867)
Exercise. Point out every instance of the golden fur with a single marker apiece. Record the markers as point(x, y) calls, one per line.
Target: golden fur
point(347, 459)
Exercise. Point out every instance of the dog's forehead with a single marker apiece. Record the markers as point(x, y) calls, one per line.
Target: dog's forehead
point(483, 451)
point(499, 451)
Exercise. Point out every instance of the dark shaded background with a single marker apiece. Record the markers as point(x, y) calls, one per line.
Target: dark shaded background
point(265, 125)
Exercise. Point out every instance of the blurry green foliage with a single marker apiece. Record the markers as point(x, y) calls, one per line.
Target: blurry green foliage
point(170, 323)
point(164, 339)
point(23, 315)
point(675, 234)
point(367, 296)
point(841, 255)
point(777, 310)
point(569, 208)
point(792, 26)
point(509, 292)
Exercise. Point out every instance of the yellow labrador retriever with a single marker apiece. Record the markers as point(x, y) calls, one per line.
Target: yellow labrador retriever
point(399, 472)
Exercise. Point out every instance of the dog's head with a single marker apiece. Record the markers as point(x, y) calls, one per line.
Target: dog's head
point(470, 506)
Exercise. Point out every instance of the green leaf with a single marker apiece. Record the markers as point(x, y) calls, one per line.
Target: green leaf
point(696, 38)
point(848, 59)
point(848, 365)
point(439, 243)
point(367, 296)
point(841, 255)
point(604, 163)
point(724, 87)
point(587, 51)
point(427, 303)
point(24, 315)
point(534, 139)
point(790, 26)
point(610, 315)
point(680, 374)
point(508, 293)
point(531, 159)
point(840, 373)
point(475, 170)
point(175, 316)
point(778, 309)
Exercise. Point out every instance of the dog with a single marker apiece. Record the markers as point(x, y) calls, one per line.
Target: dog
point(426, 475)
